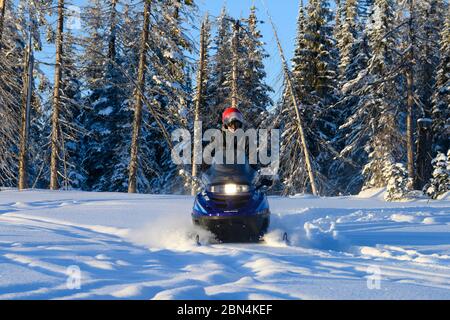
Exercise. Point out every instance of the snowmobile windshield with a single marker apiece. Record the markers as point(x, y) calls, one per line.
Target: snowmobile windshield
point(229, 173)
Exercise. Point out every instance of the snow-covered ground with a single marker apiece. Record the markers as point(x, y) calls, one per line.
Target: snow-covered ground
point(135, 246)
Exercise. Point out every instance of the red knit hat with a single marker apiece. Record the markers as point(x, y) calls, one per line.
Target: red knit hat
point(232, 114)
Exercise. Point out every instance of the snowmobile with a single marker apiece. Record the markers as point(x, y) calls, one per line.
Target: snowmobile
point(232, 203)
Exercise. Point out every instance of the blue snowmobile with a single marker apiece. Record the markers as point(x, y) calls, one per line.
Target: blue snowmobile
point(233, 204)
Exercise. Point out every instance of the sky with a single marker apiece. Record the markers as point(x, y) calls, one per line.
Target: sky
point(284, 15)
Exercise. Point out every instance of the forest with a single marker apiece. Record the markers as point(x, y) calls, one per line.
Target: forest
point(364, 102)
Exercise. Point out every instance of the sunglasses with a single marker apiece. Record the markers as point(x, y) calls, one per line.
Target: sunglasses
point(234, 124)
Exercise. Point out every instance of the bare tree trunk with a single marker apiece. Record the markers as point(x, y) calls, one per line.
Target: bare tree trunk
point(235, 75)
point(301, 131)
point(199, 98)
point(424, 153)
point(137, 122)
point(112, 30)
point(56, 99)
point(410, 93)
point(2, 18)
point(409, 124)
point(25, 117)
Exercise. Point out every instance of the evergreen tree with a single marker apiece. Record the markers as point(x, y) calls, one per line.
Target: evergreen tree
point(121, 74)
point(12, 49)
point(314, 75)
point(347, 36)
point(20, 21)
point(441, 98)
point(426, 21)
point(379, 105)
point(337, 20)
point(255, 99)
point(440, 181)
point(168, 74)
point(107, 117)
point(293, 175)
point(220, 89)
point(345, 171)
point(397, 182)
point(321, 65)
point(429, 24)
point(300, 59)
point(321, 81)
point(70, 130)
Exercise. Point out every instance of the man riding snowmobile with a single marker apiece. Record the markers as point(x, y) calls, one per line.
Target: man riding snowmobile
point(232, 121)
point(233, 205)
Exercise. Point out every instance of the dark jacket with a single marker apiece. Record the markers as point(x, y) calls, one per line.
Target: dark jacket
point(256, 167)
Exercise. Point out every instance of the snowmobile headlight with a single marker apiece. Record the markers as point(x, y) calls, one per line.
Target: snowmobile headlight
point(230, 188)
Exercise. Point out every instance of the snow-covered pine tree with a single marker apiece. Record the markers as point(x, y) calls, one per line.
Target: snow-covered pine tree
point(71, 130)
point(347, 36)
point(169, 89)
point(380, 123)
point(319, 42)
point(301, 58)
point(397, 182)
point(65, 160)
point(220, 89)
point(337, 19)
point(120, 72)
point(39, 166)
point(441, 97)
point(12, 48)
point(345, 171)
point(41, 105)
point(19, 21)
point(440, 181)
point(381, 154)
point(320, 81)
point(30, 17)
point(110, 54)
point(254, 91)
point(429, 23)
point(111, 68)
point(307, 64)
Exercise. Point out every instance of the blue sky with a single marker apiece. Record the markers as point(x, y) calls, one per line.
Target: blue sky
point(284, 15)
